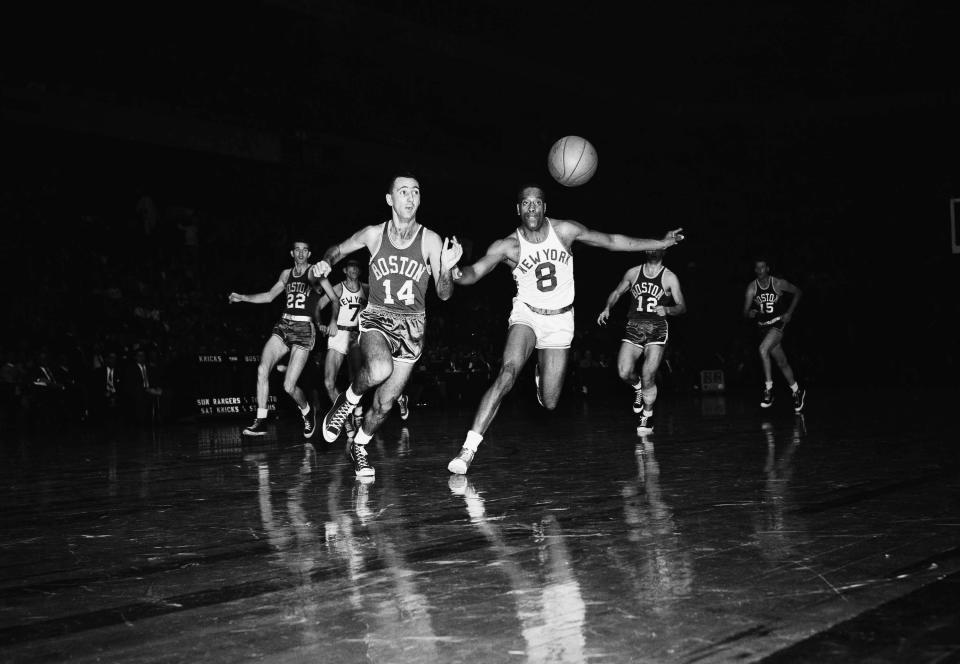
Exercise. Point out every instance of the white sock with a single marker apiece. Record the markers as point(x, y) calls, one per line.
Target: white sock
point(769, 384)
point(795, 387)
point(473, 440)
point(361, 437)
point(647, 413)
point(638, 386)
point(305, 409)
point(352, 396)
point(262, 413)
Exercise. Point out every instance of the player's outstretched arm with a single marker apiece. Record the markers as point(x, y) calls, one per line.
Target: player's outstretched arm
point(628, 278)
point(575, 231)
point(496, 253)
point(264, 297)
point(367, 236)
point(442, 256)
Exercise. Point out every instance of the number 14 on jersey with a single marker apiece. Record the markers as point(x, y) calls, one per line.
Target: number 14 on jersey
point(405, 294)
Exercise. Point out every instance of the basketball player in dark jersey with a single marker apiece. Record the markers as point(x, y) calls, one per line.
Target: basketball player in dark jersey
point(294, 332)
point(403, 256)
point(764, 302)
point(539, 254)
point(651, 286)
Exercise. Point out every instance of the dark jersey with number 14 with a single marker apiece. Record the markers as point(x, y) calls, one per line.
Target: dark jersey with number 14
point(399, 277)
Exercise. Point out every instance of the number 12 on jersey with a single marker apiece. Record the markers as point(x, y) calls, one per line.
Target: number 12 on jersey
point(405, 294)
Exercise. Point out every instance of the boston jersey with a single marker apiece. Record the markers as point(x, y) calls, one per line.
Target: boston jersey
point(298, 292)
point(399, 277)
point(647, 294)
point(351, 303)
point(768, 302)
point(544, 273)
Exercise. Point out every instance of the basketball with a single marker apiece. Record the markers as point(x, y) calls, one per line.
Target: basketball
point(572, 161)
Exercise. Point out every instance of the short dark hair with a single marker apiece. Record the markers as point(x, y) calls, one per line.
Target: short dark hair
point(531, 185)
point(400, 174)
point(297, 241)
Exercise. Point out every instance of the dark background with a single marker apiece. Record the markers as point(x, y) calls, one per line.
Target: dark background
point(822, 137)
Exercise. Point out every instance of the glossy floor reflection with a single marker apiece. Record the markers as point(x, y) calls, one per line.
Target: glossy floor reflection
point(729, 534)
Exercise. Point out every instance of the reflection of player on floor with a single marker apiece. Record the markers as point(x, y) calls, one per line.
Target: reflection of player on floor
point(650, 284)
point(404, 255)
point(764, 302)
point(294, 332)
point(539, 254)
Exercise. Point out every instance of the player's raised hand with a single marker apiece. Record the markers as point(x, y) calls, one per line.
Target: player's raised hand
point(233, 298)
point(320, 269)
point(450, 253)
point(603, 317)
point(675, 236)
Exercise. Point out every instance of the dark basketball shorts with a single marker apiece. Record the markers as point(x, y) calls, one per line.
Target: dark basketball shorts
point(774, 324)
point(295, 333)
point(643, 331)
point(404, 332)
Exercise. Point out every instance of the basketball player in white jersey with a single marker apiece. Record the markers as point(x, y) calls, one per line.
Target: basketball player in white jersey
point(764, 302)
point(651, 287)
point(539, 254)
point(403, 256)
point(344, 328)
point(294, 332)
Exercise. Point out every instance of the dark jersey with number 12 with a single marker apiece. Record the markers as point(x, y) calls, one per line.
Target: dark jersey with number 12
point(648, 293)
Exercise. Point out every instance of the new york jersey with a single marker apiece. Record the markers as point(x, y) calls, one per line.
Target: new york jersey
point(768, 302)
point(399, 277)
point(647, 293)
point(544, 272)
point(351, 303)
point(298, 292)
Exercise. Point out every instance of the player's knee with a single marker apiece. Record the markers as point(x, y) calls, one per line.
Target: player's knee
point(263, 371)
point(626, 375)
point(508, 374)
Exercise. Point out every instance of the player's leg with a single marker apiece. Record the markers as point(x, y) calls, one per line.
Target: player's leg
point(298, 360)
point(769, 341)
point(519, 345)
point(376, 365)
point(652, 356)
point(383, 399)
point(272, 351)
point(780, 357)
point(627, 359)
point(552, 367)
point(521, 341)
point(331, 369)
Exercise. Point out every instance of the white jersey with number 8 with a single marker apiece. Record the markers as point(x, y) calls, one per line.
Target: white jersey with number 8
point(544, 273)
